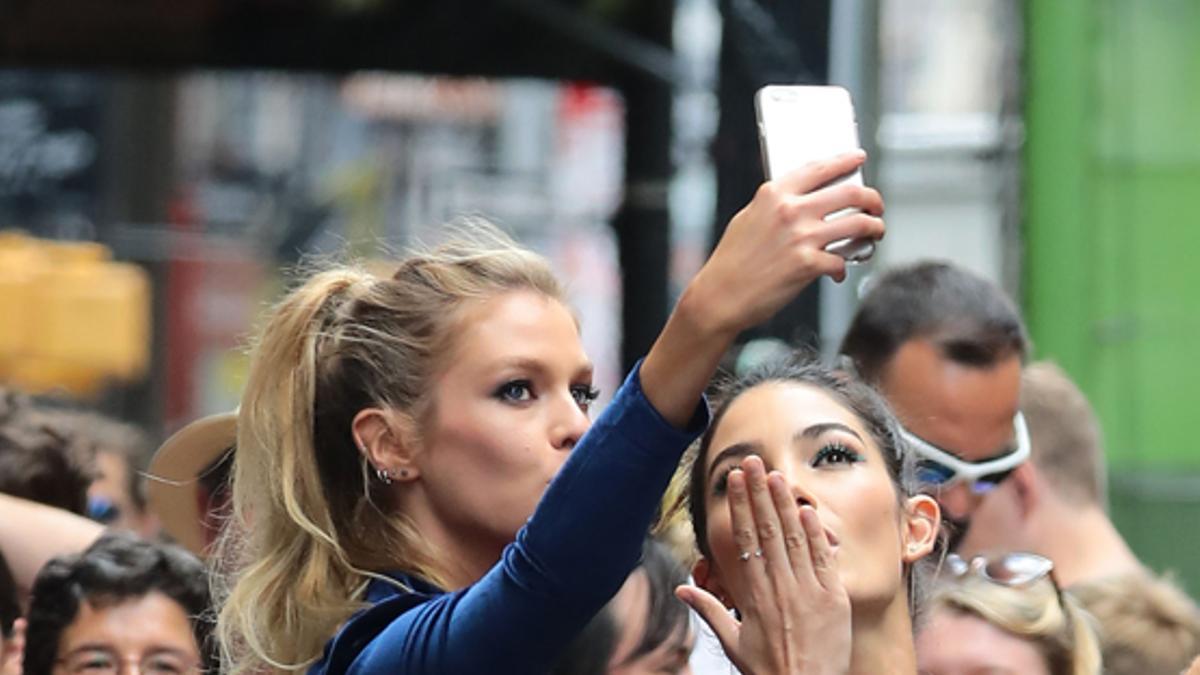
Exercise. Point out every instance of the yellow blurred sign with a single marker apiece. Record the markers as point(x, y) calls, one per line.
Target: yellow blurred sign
point(70, 317)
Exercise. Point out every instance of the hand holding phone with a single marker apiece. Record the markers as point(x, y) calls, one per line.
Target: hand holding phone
point(802, 124)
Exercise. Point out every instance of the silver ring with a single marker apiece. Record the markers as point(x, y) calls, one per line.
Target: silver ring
point(758, 553)
point(744, 556)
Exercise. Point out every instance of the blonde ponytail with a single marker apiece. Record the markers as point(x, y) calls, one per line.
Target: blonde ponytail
point(308, 527)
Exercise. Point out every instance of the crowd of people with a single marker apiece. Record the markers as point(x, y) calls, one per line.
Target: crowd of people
point(414, 483)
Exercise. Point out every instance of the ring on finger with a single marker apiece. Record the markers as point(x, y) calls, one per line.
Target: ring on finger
point(744, 556)
point(758, 553)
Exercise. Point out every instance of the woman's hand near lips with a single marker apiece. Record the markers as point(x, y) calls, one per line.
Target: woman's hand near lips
point(796, 618)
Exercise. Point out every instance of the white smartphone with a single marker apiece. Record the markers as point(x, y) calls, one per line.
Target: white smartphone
point(802, 124)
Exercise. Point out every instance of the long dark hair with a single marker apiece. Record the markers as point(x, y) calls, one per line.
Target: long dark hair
point(858, 397)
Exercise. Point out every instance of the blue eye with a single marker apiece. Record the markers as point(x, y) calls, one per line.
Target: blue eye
point(585, 395)
point(515, 391)
point(836, 453)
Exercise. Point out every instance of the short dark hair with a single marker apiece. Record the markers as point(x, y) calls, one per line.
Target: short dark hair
point(666, 617)
point(117, 567)
point(46, 464)
point(100, 433)
point(10, 609)
point(970, 319)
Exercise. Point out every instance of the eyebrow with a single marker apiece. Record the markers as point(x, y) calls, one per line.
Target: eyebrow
point(817, 430)
point(746, 448)
point(584, 369)
point(735, 451)
point(103, 647)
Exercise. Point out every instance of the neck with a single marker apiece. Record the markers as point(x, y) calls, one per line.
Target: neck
point(1090, 549)
point(883, 639)
point(460, 558)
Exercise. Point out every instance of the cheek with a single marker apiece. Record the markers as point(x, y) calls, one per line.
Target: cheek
point(721, 544)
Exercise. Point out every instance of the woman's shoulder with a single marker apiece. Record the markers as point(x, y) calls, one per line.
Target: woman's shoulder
point(389, 599)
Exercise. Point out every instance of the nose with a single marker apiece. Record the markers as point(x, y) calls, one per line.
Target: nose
point(800, 491)
point(568, 425)
point(957, 501)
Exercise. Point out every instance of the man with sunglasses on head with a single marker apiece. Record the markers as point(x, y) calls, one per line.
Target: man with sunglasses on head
point(945, 348)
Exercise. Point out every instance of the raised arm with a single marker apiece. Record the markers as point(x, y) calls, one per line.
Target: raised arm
point(771, 250)
point(32, 533)
point(586, 533)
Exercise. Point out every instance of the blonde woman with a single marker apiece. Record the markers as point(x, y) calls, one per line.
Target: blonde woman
point(1006, 614)
point(416, 488)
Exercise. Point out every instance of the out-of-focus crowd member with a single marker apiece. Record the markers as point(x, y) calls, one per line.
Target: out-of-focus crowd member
point(945, 348)
point(807, 512)
point(44, 478)
point(187, 484)
point(1055, 505)
point(1005, 615)
point(1148, 626)
point(643, 630)
point(117, 495)
point(122, 602)
point(45, 464)
point(413, 448)
point(12, 626)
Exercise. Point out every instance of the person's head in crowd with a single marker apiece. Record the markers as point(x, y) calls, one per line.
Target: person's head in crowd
point(1148, 626)
point(375, 411)
point(123, 600)
point(117, 496)
point(945, 348)
point(644, 629)
point(835, 444)
point(1055, 504)
point(187, 483)
point(12, 630)
point(44, 463)
point(1005, 615)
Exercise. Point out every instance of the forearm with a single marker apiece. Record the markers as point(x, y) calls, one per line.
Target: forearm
point(32, 533)
point(684, 357)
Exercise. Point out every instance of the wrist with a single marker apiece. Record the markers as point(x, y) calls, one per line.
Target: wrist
point(705, 314)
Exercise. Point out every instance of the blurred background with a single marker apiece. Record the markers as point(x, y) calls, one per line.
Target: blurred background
point(163, 166)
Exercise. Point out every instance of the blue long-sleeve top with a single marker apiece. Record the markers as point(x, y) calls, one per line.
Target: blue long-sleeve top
point(570, 558)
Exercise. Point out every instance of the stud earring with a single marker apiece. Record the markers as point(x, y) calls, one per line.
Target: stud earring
point(383, 475)
point(404, 473)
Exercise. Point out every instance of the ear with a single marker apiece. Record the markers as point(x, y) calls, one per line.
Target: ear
point(920, 526)
point(1028, 487)
point(385, 437)
point(706, 577)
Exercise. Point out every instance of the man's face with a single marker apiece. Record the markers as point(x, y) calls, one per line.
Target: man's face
point(965, 410)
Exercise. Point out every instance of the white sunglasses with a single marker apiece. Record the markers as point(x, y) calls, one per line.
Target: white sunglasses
point(941, 468)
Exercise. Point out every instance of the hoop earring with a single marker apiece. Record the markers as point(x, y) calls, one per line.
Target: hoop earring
point(383, 476)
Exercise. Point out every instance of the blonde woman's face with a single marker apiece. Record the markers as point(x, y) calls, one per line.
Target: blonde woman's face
point(507, 410)
point(831, 462)
point(956, 643)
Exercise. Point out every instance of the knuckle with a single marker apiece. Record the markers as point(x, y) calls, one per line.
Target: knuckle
point(767, 192)
point(794, 541)
point(744, 537)
point(767, 530)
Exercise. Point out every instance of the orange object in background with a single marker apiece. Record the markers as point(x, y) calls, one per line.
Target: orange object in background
point(70, 317)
